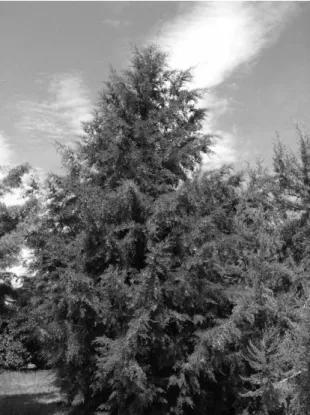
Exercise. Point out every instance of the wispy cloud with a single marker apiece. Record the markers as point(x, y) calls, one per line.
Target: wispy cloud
point(5, 150)
point(59, 115)
point(215, 39)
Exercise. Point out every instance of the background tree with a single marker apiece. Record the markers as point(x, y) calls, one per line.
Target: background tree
point(15, 220)
point(292, 180)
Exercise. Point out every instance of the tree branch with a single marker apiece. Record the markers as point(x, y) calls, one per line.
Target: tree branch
point(290, 377)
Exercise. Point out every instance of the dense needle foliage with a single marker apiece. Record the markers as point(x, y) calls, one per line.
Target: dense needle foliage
point(161, 289)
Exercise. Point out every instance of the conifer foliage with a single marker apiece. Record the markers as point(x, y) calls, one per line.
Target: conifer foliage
point(110, 272)
point(160, 289)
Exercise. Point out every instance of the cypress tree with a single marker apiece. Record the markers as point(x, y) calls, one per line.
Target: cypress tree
point(109, 253)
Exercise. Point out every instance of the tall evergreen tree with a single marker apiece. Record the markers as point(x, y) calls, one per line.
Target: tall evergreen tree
point(162, 290)
point(124, 303)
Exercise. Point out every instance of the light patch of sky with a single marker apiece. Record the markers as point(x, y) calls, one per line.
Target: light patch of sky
point(5, 150)
point(61, 114)
point(13, 198)
point(73, 44)
point(21, 269)
point(25, 257)
point(216, 38)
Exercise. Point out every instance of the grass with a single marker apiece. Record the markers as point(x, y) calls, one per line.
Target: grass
point(30, 393)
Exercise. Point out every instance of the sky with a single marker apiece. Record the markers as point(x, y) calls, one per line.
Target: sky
point(253, 58)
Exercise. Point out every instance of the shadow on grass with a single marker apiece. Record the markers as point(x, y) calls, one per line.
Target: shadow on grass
point(31, 404)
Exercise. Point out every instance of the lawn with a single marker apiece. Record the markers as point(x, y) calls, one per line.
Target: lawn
point(30, 393)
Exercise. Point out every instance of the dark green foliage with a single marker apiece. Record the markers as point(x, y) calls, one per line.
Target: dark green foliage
point(7, 294)
point(172, 350)
point(13, 353)
point(159, 289)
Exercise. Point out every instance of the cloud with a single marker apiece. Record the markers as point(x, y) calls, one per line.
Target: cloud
point(59, 116)
point(224, 152)
point(217, 38)
point(5, 150)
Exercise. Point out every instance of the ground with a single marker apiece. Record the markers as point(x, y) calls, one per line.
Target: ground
point(30, 393)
